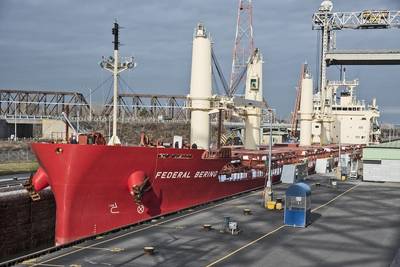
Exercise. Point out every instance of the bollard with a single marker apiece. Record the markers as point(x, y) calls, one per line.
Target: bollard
point(207, 227)
point(246, 211)
point(148, 250)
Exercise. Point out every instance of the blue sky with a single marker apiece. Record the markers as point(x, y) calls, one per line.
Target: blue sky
point(56, 45)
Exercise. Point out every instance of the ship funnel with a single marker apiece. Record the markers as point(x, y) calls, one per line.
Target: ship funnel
point(306, 109)
point(254, 91)
point(200, 88)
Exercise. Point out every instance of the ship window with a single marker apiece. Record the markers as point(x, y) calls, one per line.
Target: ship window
point(316, 126)
point(345, 109)
point(358, 109)
point(362, 137)
point(254, 84)
point(364, 119)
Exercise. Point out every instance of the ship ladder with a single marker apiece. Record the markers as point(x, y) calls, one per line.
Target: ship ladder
point(226, 137)
point(31, 190)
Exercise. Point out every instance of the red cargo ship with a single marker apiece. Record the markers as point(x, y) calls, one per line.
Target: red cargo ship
point(98, 188)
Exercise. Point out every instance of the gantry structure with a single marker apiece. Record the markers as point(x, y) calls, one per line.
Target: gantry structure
point(329, 22)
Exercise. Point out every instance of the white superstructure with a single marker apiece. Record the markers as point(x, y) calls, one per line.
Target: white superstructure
point(253, 91)
point(346, 120)
point(306, 109)
point(200, 88)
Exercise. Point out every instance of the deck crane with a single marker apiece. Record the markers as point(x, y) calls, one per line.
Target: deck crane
point(294, 119)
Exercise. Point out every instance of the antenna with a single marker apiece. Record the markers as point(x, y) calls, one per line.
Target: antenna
point(115, 32)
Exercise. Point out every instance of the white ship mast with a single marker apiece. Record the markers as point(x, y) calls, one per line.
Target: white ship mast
point(114, 65)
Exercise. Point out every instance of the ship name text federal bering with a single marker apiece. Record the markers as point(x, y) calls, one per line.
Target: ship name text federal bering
point(186, 174)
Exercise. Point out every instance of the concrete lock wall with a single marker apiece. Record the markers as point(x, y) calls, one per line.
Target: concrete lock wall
point(25, 225)
point(54, 129)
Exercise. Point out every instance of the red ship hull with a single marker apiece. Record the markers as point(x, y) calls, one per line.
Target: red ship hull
point(90, 184)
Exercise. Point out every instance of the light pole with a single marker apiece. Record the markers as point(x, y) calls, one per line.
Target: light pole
point(90, 104)
point(77, 122)
point(339, 166)
point(109, 126)
point(15, 120)
point(268, 184)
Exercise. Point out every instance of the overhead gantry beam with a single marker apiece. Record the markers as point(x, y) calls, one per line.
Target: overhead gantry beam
point(328, 22)
point(366, 19)
point(358, 57)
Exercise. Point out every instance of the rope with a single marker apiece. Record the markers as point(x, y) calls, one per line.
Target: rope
point(98, 87)
point(127, 85)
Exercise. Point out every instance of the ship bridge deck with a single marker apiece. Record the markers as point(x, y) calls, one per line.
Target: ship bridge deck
point(355, 224)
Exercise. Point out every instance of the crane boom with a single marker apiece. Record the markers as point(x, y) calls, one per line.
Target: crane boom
point(295, 113)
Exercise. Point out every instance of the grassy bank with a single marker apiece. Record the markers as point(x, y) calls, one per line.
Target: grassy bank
point(18, 167)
